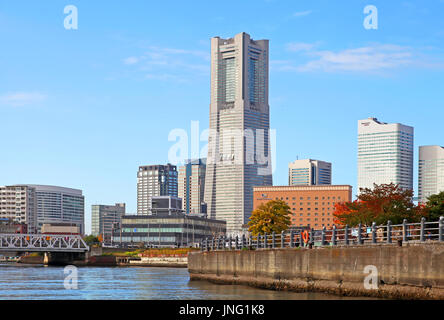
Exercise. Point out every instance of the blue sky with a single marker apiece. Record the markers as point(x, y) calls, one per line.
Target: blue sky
point(84, 108)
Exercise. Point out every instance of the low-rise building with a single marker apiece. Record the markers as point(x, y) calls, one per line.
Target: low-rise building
point(104, 219)
point(60, 228)
point(311, 206)
point(166, 226)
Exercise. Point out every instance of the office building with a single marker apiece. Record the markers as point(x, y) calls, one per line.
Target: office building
point(18, 204)
point(239, 154)
point(431, 171)
point(104, 218)
point(385, 154)
point(311, 206)
point(166, 226)
point(191, 186)
point(155, 180)
point(308, 172)
point(59, 204)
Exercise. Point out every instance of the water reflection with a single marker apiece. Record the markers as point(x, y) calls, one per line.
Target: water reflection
point(135, 283)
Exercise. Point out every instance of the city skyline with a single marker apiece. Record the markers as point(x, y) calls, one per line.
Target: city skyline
point(65, 108)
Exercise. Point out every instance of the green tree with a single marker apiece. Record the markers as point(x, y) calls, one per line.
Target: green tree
point(435, 206)
point(90, 240)
point(268, 217)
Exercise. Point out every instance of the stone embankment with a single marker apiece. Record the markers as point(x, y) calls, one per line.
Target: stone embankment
point(412, 271)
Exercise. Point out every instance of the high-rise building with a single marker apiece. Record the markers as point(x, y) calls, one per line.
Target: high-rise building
point(155, 180)
point(39, 204)
point(59, 204)
point(239, 154)
point(385, 154)
point(105, 218)
point(431, 171)
point(191, 185)
point(308, 172)
point(18, 203)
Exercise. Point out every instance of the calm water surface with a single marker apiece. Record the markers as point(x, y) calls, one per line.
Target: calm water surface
point(18, 281)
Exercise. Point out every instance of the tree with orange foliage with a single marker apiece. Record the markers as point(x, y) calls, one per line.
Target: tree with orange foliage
point(382, 203)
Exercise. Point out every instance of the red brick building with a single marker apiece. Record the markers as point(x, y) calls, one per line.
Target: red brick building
point(310, 205)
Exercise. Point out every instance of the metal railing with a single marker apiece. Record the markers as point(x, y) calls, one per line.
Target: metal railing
point(361, 235)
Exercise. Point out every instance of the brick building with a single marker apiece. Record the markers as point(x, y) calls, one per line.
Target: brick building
point(310, 205)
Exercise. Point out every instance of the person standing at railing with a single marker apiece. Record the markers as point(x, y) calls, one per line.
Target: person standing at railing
point(379, 234)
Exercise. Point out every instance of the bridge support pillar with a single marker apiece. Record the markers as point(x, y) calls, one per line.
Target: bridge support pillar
point(62, 258)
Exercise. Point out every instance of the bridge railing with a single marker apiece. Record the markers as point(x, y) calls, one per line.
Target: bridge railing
point(43, 242)
point(361, 235)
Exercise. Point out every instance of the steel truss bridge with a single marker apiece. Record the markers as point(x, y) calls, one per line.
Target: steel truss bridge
point(43, 243)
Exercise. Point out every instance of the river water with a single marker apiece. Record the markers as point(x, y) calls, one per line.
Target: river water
point(35, 282)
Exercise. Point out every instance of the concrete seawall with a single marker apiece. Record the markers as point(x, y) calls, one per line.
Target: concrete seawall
point(413, 271)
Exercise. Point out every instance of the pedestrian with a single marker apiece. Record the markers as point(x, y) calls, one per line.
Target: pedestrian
point(380, 234)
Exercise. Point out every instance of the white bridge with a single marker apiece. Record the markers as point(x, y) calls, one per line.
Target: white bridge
point(43, 243)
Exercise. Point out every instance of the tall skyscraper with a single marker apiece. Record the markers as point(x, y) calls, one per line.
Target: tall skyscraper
point(239, 154)
point(105, 218)
point(155, 180)
point(308, 172)
point(191, 185)
point(431, 171)
point(385, 154)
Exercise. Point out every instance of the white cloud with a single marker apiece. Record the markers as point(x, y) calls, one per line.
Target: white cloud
point(375, 58)
point(131, 60)
point(363, 59)
point(173, 64)
point(300, 46)
point(302, 13)
point(19, 99)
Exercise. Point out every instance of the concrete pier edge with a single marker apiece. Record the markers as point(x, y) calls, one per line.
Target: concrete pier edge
point(413, 271)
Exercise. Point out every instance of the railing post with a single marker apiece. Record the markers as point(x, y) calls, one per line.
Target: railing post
point(230, 240)
point(374, 232)
point(250, 244)
point(346, 235)
point(282, 239)
point(212, 243)
point(441, 228)
point(323, 236)
point(265, 240)
point(333, 235)
point(301, 241)
point(258, 241)
point(422, 230)
point(389, 231)
point(207, 247)
point(273, 240)
point(359, 233)
point(311, 236)
point(201, 245)
point(404, 230)
point(237, 242)
point(291, 239)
